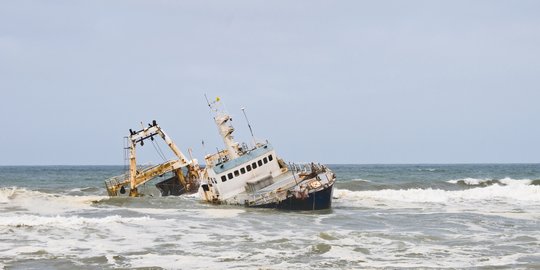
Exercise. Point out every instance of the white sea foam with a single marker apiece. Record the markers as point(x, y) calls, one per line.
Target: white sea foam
point(155, 211)
point(362, 180)
point(6, 194)
point(391, 249)
point(45, 203)
point(483, 181)
point(195, 195)
point(344, 253)
point(221, 213)
point(432, 256)
point(220, 237)
point(136, 242)
point(63, 221)
point(510, 181)
point(509, 194)
point(62, 236)
point(427, 170)
point(493, 200)
point(469, 181)
point(169, 261)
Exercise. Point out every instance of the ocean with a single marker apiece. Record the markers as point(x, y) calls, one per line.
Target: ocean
point(383, 217)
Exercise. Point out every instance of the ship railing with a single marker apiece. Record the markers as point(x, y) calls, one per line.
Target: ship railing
point(246, 149)
point(306, 167)
point(112, 183)
point(139, 168)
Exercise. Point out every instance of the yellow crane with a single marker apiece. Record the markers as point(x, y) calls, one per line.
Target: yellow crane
point(184, 180)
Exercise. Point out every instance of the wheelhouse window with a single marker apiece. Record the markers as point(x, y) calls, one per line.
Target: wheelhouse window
point(270, 158)
point(236, 173)
point(260, 163)
point(254, 165)
point(223, 178)
point(248, 168)
point(242, 170)
point(265, 160)
point(230, 176)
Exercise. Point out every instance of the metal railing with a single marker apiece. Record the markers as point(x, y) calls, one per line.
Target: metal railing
point(306, 167)
point(114, 182)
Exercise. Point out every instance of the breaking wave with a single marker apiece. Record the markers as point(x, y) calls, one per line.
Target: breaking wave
point(483, 182)
point(45, 203)
point(6, 194)
point(511, 192)
point(360, 180)
point(84, 190)
point(429, 170)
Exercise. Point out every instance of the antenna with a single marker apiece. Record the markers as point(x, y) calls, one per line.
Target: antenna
point(204, 148)
point(208, 102)
point(249, 125)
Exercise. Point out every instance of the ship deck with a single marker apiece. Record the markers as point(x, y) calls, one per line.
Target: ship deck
point(283, 182)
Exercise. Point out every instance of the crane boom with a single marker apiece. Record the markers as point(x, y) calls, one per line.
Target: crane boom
point(136, 177)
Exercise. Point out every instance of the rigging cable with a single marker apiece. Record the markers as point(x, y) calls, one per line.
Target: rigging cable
point(158, 150)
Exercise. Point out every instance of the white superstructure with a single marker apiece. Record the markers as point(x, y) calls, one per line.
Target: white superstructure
point(253, 176)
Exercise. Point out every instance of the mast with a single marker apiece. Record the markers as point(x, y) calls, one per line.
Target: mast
point(132, 169)
point(225, 128)
point(250, 130)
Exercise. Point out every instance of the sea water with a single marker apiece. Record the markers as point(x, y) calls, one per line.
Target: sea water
point(383, 217)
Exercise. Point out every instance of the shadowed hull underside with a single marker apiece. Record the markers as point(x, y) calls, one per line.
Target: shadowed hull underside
point(317, 200)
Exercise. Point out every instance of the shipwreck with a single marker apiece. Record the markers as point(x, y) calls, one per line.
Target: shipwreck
point(184, 173)
point(237, 175)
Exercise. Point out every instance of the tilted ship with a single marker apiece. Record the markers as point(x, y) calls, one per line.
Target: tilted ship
point(257, 177)
point(237, 175)
point(182, 174)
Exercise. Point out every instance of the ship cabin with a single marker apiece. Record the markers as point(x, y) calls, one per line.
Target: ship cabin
point(251, 171)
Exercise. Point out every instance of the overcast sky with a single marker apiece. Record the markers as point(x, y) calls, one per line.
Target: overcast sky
point(329, 81)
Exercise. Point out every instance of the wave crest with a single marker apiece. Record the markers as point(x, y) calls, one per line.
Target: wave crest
point(483, 182)
point(6, 194)
point(495, 193)
point(45, 203)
